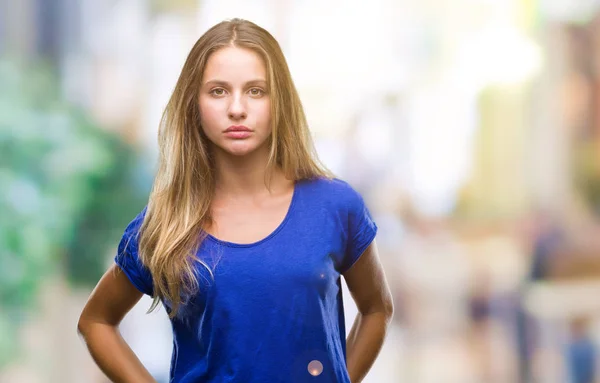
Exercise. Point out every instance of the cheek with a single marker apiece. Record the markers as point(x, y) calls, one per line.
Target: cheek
point(263, 112)
point(210, 114)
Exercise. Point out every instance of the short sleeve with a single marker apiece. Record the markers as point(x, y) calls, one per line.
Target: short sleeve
point(361, 230)
point(128, 259)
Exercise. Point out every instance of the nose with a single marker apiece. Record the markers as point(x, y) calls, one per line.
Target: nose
point(237, 109)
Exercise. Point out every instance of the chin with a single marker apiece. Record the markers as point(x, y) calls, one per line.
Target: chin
point(240, 149)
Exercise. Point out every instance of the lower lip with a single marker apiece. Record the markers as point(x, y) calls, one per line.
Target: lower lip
point(238, 134)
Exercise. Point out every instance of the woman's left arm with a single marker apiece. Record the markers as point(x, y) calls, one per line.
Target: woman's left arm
point(367, 284)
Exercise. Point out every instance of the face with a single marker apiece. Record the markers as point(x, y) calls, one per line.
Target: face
point(234, 104)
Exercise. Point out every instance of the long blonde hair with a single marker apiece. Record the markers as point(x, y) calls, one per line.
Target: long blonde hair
point(180, 200)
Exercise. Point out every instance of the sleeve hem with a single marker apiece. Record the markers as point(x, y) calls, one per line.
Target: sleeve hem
point(360, 250)
point(134, 281)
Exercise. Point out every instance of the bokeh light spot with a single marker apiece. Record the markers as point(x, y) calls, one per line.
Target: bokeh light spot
point(315, 368)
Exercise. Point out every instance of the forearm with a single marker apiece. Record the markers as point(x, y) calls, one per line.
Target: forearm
point(113, 355)
point(364, 343)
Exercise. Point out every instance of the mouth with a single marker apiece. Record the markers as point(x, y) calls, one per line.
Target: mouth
point(238, 132)
point(237, 128)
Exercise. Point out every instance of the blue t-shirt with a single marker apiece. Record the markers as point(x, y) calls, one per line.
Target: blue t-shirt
point(274, 311)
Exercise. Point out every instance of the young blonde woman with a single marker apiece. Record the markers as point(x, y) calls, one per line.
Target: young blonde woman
point(245, 236)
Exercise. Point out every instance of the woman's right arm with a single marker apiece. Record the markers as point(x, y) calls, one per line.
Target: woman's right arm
point(98, 324)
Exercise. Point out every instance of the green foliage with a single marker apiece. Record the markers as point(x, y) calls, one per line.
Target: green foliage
point(67, 189)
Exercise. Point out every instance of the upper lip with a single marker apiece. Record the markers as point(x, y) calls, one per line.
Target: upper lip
point(238, 128)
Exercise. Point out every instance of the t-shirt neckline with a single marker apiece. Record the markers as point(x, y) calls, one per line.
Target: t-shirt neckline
point(268, 237)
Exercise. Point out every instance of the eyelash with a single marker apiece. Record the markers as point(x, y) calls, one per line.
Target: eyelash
point(261, 92)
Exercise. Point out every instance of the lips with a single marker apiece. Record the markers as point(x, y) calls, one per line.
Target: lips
point(238, 132)
point(238, 128)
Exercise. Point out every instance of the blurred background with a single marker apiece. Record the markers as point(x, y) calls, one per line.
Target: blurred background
point(471, 127)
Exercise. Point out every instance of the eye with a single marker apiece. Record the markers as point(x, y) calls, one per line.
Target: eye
point(217, 92)
point(256, 92)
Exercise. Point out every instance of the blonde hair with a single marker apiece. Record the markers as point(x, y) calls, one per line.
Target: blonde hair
point(180, 199)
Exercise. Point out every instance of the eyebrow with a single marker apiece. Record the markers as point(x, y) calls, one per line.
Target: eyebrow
point(226, 84)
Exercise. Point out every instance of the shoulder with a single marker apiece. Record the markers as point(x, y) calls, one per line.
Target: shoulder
point(333, 192)
point(334, 186)
point(134, 226)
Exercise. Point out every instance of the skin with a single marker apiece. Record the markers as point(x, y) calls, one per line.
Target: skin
point(112, 298)
point(233, 92)
point(368, 286)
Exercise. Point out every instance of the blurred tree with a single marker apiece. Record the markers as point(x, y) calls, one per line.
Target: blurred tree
point(587, 173)
point(67, 188)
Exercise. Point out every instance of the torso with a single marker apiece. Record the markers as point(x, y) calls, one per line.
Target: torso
point(249, 220)
point(287, 286)
point(273, 279)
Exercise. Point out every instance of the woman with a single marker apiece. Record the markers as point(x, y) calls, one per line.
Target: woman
point(245, 235)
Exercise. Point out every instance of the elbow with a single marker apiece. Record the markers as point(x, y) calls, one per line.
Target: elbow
point(88, 324)
point(81, 327)
point(384, 311)
point(386, 307)
point(388, 310)
point(84, 324)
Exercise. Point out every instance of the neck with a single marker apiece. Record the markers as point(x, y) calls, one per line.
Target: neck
point(246, 175)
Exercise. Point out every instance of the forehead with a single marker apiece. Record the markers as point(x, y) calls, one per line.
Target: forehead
point(234, 64)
